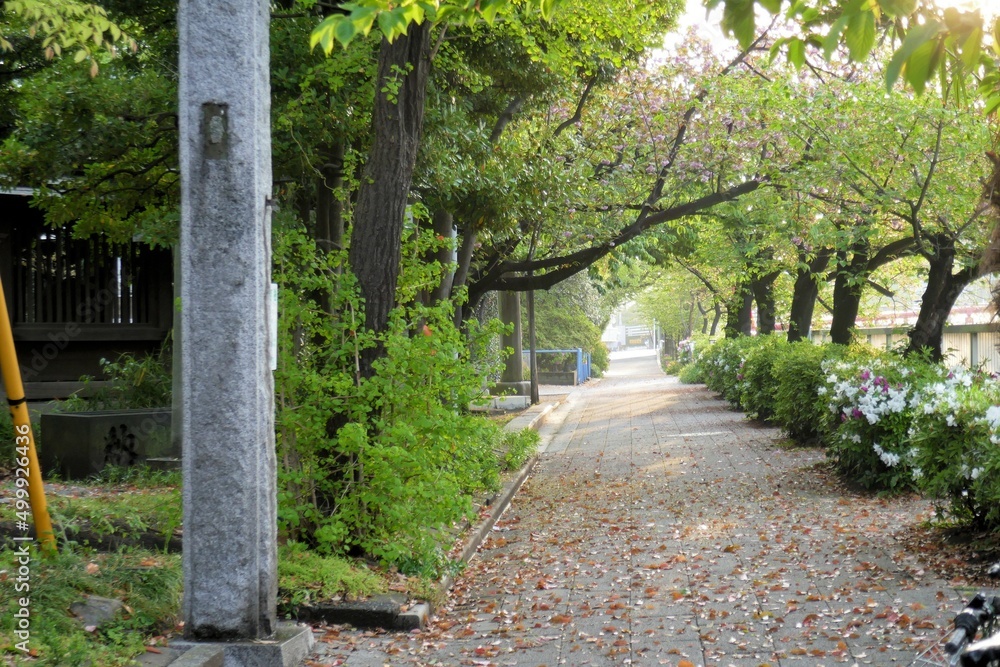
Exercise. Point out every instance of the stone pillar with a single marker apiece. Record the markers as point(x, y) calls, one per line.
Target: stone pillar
point(227, 391)
point(512, 379)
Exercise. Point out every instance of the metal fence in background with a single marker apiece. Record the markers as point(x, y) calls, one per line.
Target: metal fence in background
point(972, 345)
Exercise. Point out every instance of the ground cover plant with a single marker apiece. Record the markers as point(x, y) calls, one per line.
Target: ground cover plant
point(119, 508)
point(147, 583)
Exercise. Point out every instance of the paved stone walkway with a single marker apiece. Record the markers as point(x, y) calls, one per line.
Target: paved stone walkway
point(662, 528)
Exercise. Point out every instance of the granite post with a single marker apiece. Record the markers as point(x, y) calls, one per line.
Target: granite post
point(226, 401)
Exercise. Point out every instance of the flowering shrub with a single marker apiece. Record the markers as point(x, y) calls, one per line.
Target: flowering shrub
point(685, 351)
point(722, 367)
point(955, 433)
point(889, 423)
point(872, 402)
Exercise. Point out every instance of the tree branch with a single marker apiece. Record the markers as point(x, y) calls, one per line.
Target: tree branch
point(568, 265)
point(578, 114)
point(505, 118)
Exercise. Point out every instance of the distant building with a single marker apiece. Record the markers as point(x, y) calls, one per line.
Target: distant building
point(626, 330)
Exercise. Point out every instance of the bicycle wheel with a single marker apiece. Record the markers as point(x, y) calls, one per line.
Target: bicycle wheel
point(933, 656)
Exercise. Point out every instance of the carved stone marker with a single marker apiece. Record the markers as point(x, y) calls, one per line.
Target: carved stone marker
point(226, 400)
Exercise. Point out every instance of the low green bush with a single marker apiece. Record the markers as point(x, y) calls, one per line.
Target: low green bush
point(722, 367)
point(381, 466)
point(672, 366)
point(798, 407)
point(135, 382)
point(516, 447)
point(759, 382)
point(690, 374)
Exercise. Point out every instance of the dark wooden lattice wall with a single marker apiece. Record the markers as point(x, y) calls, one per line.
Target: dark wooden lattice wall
point(75, 301)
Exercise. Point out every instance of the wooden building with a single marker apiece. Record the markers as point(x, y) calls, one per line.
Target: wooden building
point(73, 301)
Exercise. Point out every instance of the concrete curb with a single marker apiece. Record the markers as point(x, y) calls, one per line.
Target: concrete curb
point(532, 418)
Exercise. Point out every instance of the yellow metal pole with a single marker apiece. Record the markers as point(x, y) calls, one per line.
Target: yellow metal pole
point(24, 439)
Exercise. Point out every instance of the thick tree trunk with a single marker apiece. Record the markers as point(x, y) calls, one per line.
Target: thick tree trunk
point(804, 294)
point(847, 288)
point(704, 318)
point(943, 288)
point(385, 183)
point(763, 293)
point(739, 314)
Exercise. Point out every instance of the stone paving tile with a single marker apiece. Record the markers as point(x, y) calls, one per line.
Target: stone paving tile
point(661, 528)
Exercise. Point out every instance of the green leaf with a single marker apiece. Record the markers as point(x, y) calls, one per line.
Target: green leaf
point(80, 56)
point(797, 52)
point(773, 6)
point(738, 20)
point(489, 10)
point(444, 12)
point(775, 49)
point(914, 40)
point(921, 64)
point(860, 35)
point(972, 48)
point(991, 104)
point(323, 34)
point(345, 32)
point(363, 18)
point(392, 24)
point(996, 35)
point(412, 13)
point(548, 8)
point(898, 7)
point(832, 38)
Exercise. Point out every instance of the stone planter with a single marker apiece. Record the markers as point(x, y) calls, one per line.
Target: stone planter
point(77, 445)
point(557, 377)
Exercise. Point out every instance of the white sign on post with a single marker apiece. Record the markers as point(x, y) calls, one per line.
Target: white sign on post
point(272, 325)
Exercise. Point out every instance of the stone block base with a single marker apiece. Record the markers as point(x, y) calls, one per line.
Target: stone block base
point(512, 388)
point(290, 647)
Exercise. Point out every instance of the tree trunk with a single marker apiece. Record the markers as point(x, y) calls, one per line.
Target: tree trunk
point(465, 252)
point(847, 288)
point(943, 288)
point(444, 226)
point(739, 314)
point(385, 183)
point(334, 173)
point(763, 293)
point(715, 320)
point(804, 294)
